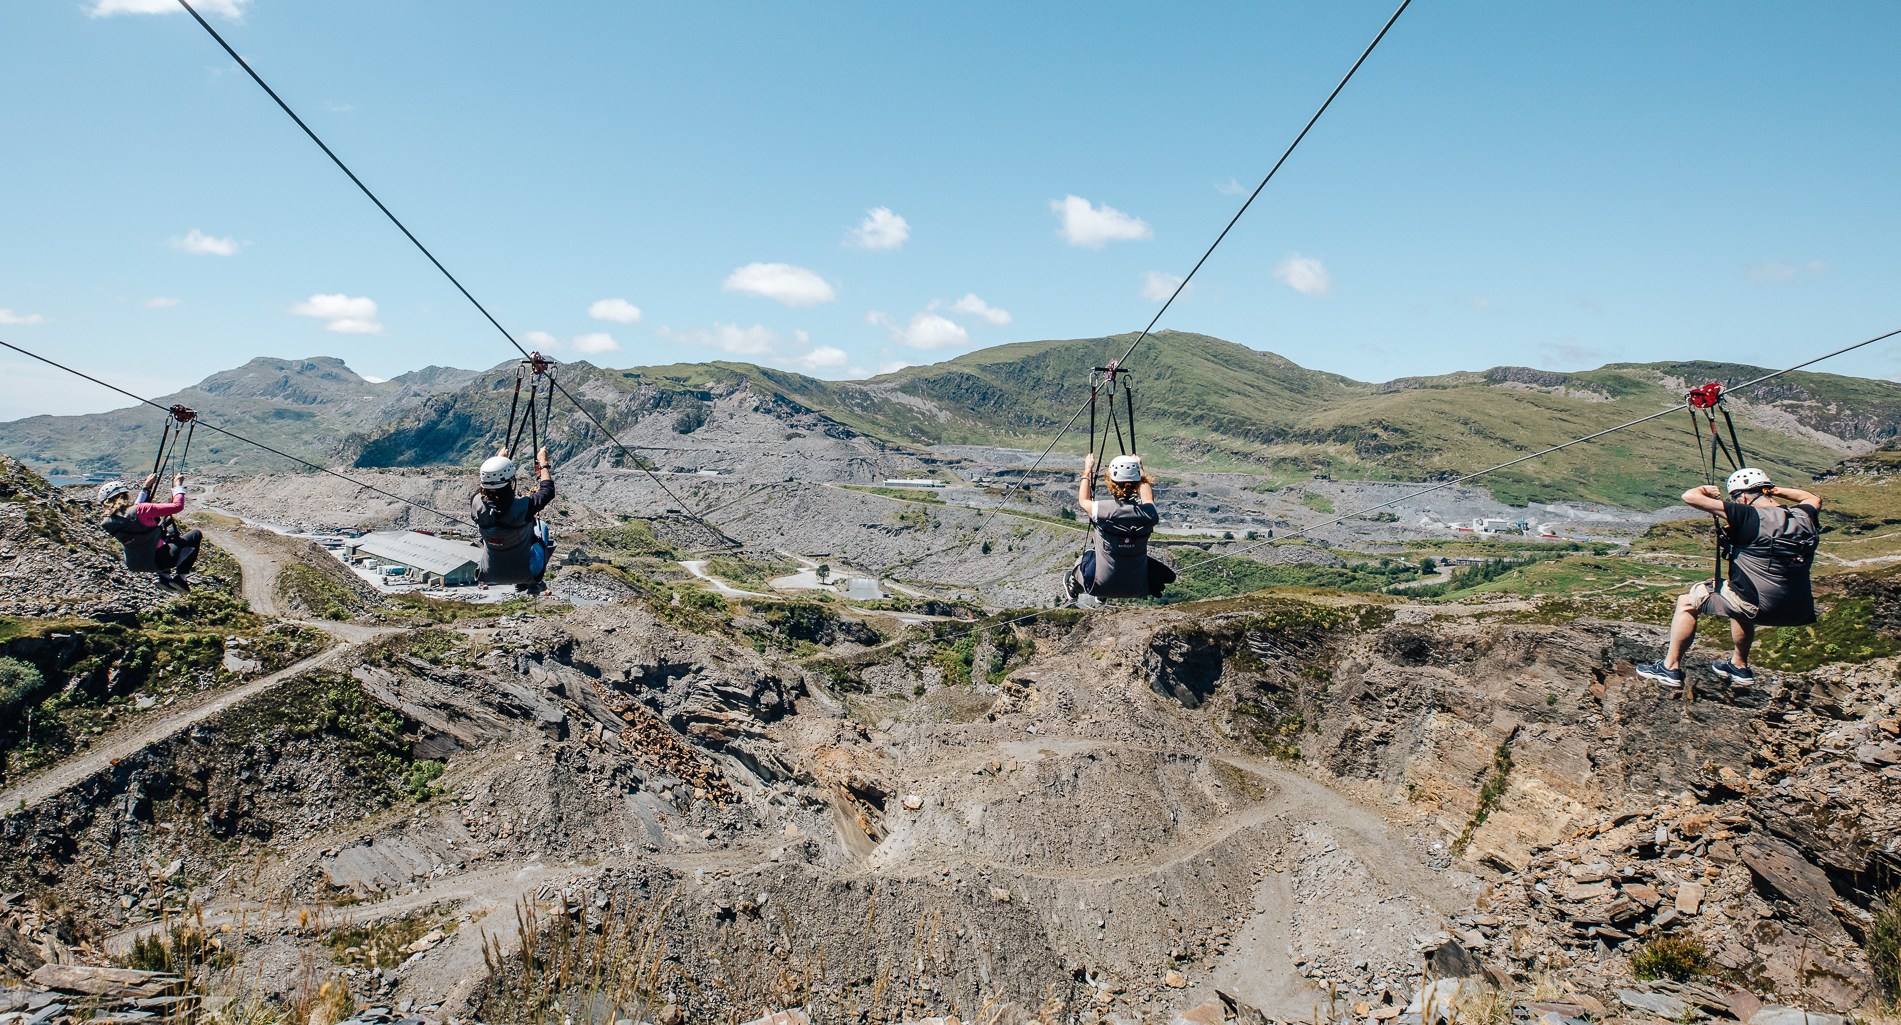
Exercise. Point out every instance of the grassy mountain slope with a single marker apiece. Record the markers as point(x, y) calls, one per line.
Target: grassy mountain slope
point(305, 407)
point(1203, 404)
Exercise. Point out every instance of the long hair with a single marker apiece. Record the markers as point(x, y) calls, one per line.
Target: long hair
point(118, 504)
point(1129, 490)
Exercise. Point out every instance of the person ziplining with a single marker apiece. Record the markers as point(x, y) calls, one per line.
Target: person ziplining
point(152, 541)
point(515, 546)
point(1770, 549)
point(1115, 562)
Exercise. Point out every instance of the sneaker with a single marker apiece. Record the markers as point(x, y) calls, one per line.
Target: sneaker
point(1070, 590)
point(1670, 678)
point(1739, 676)
point(172, 584)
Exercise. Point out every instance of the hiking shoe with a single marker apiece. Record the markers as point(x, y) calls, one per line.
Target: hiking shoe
point(1070, 590)
point(1738, 676)
point(1670, 678)
point(173, 584)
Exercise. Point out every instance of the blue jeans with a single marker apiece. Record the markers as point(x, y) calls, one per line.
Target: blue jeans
point(538, 551)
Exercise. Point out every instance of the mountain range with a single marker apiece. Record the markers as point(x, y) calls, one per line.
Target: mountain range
point(1203, 404)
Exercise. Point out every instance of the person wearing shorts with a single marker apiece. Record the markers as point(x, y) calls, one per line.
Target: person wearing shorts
point(1771, 549)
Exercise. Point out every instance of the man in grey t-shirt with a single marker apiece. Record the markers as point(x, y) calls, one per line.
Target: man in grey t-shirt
point(1771, 548)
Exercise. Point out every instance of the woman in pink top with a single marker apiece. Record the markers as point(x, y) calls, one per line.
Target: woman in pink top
point(140, 526)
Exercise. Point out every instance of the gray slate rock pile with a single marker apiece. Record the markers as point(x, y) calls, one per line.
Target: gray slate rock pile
point(54, 560)
point(1760, 867)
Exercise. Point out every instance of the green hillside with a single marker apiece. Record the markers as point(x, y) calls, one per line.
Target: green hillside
point(1204, 404)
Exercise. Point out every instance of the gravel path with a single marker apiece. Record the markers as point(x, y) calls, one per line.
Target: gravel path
point(260, 575)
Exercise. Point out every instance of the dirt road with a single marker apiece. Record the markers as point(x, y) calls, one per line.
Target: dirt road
point(260, 576)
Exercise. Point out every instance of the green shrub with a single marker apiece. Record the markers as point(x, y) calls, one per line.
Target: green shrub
point(19, 682)
point(419, 781)
point(186, 949)
point(1679, 958)
point(1884, 948)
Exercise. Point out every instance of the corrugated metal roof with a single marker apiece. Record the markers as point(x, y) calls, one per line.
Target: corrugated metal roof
point(429, 554)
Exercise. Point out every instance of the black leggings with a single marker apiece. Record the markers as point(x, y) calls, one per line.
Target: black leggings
point(180, 554)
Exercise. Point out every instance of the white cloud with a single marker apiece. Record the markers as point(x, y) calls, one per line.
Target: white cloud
point(201, 244)
point(881, 229)
point(761, 344)
point(1569, 353)
point(893, 366)
point(1232, 187)
point(620, 311)
point(972, 306)
point(373, 379)
point(1778, 273)
point(107, 8)
point(344, 314)
point(1093, 227)
point(757, 340)
point(824, 357)
point(538, 340)
point(1304, 274)
point(10, 318)
point(595, 342)
point(1159, 285)
point(925, 331)
point(781, 282)
point(160, 302)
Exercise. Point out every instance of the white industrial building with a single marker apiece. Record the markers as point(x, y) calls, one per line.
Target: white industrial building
point(432, 560)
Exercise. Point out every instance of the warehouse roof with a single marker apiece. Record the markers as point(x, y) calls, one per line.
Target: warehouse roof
point(429, 554)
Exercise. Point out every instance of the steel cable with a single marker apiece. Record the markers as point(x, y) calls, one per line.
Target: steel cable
point(1232, 221)
point(411, 236)
point(239, 437)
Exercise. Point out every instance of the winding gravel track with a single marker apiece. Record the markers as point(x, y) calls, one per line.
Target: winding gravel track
point(260, 575)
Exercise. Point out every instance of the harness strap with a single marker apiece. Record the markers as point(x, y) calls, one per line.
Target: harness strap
point(513, 404)
point(1741, 460)
point(514, 443)
point(1128, 398)
point(1709, 477)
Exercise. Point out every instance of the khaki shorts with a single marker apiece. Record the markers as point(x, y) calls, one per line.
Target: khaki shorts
point(1712, 603)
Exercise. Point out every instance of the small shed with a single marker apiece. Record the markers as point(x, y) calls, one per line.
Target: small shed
point(436, 561)
point(858, 588)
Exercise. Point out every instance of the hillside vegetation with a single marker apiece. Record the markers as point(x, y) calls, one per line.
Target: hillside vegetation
point(1203, 404)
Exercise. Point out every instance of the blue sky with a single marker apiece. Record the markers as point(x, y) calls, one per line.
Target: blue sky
point(843, 188)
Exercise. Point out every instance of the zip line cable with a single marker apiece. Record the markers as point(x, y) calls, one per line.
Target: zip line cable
point(1232, 221)
point(1304, 531)
point(1308, 127)
point(411, 236)
point(239, 437)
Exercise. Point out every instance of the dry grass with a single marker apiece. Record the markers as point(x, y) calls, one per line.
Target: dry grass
point(571, 965)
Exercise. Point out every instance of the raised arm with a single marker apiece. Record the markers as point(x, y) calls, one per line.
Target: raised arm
point(1146, 493)
point(1708, 498)
point(1086, 488)
point(1798, 496)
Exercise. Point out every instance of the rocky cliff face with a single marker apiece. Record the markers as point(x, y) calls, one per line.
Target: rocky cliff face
point(1274, 806)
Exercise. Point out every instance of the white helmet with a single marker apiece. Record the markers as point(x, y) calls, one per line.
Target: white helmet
point(111, 490)
point(498, 471)
point(1747, 478)
point(1125, 469)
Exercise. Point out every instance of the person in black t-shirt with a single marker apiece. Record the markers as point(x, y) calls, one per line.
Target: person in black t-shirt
point(1771, 548)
